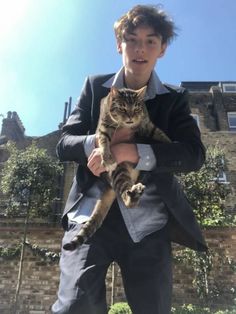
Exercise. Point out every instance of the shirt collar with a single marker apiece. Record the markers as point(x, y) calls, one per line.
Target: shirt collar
point(155, 87)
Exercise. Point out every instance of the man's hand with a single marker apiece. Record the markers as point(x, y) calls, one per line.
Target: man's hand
point(121, 150)
point(95, 162)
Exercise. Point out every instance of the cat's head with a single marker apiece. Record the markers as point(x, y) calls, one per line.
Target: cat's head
point(127, 106)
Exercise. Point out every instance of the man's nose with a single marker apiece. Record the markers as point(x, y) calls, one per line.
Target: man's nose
point(139, 46)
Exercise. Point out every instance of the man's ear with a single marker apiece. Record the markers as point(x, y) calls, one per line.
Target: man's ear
point(119, 47)
point(163, 50)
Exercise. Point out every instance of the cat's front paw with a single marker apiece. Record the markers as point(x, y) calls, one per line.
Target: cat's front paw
point(109, 163)
point(131, 197)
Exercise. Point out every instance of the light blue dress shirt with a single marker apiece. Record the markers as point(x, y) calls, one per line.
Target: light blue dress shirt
point(150, 215)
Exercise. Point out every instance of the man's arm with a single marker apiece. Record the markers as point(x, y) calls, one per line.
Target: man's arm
point(141, 155)
point(71, 145)
point(120, 149)
point(186, 152)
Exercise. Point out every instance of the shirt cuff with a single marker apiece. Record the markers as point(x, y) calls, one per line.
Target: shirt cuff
point(147, 159)
point(89, 144)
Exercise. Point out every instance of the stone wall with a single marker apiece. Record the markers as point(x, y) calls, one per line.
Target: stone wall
point(211, 108)
point(227, 141)
point(222, 245)
point(40, 277)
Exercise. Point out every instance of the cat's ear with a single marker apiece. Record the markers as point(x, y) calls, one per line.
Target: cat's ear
point(114, 91)
point(142, 91)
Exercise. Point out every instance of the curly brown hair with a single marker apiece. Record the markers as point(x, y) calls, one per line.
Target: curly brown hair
point(146, 15)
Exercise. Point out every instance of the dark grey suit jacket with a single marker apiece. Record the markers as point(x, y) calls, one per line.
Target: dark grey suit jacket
point(171, 113)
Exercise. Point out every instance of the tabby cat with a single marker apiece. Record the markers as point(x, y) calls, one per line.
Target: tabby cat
point(121, 108)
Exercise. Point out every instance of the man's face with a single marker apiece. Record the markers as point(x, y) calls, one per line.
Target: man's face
point(140, 50)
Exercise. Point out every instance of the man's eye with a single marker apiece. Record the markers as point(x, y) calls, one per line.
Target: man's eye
point(132, 40)
point(151, 42)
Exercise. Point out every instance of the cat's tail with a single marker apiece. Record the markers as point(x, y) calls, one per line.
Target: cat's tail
point(91, 226)
point(86, 231)
point(75, 242)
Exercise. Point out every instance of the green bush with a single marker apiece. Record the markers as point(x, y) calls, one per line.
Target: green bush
point(190, 309)
point(120, 308)
point(226, 312)
point(123, 308)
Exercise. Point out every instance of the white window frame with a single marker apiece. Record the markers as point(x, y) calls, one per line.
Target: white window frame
point(232, 113)
point(196, 118)
point(229, 85)
point(221, 177)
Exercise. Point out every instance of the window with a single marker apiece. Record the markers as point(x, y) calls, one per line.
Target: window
point(196, 118)
point(229, 87)
point(221, 176)
point(232, 120)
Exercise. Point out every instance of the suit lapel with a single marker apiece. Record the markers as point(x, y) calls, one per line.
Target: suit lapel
point(99, 93)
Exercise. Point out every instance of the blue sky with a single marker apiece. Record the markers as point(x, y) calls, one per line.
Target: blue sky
point(48, 47)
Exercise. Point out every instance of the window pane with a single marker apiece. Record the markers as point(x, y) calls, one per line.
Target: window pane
point(232, 119)
point(230, 88)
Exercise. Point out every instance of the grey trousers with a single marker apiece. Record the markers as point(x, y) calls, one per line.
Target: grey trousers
point(146, 269)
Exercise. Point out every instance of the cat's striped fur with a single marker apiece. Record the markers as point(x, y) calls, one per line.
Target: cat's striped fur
point(122, 108)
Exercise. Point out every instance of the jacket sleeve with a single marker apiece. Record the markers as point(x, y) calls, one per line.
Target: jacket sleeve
point(186, 152)
point(71, 145)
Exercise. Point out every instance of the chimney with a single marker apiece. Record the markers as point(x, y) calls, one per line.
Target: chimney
point(12, 127)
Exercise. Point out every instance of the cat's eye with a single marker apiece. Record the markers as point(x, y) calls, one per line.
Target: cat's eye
point(137, 108)
point(122, 109)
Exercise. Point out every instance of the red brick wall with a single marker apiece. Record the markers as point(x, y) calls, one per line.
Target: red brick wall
point(40, 278)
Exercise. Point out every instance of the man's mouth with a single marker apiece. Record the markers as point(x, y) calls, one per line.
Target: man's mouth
point(139, 61)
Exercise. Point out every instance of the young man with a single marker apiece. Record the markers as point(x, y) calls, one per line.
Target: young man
point(138, 239)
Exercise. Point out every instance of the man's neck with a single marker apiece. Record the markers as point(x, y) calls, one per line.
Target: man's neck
point(135, 82)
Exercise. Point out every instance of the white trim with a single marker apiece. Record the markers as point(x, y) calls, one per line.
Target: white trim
point(232, 127)
point(222, 177)
point(196, 118)
point(229, 87)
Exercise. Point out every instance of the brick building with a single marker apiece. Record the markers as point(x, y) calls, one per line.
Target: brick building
point(213, 105)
